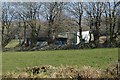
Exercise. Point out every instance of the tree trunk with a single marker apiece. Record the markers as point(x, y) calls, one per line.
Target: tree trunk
point(90, 24)
point(50, 31)
point(24, 32)
point(80, 32)
point(96, 32)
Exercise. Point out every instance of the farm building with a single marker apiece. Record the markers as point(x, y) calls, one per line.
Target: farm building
point(63, 38)
point(73, 37)
point(85, 36)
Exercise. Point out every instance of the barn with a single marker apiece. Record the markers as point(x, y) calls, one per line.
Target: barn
point(85, 36)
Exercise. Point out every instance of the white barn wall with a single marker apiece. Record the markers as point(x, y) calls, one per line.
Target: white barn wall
point(85, 36)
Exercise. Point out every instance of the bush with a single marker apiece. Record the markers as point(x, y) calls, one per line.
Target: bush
point(48, 71)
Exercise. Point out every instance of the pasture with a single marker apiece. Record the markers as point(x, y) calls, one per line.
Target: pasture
point(97, 58)
point(12, 43)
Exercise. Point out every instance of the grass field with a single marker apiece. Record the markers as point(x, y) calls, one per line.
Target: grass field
point(98, 58)
point(12, 43)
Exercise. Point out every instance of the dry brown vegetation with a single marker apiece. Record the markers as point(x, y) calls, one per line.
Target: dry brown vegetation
point(48, 71)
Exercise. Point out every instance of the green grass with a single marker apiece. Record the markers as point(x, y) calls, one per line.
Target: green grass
point(98, 58)
point(12, 43)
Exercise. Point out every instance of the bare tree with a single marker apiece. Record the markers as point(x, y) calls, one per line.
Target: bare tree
point(112, 18)
point(7, 17)
point(76, 12)
point(30, 15)
point(95, 10)
point(52, 12)
point(118, 14)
